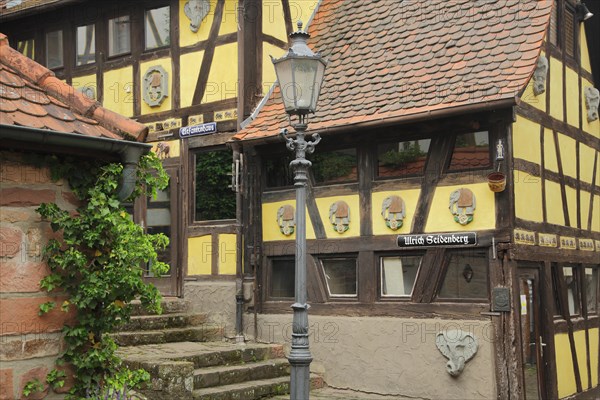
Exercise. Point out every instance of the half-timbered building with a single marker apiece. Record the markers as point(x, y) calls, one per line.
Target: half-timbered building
point(454, 206)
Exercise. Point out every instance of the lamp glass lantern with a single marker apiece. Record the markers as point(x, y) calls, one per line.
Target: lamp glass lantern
point(300, 74)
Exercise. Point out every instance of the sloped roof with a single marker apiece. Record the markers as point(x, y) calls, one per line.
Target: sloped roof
point(394, 59)
point(31, 96)
point(14, 8)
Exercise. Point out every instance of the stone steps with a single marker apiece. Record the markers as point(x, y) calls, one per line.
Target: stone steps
point(172, 335)
point(163, 321)
point(170, 305)
point(252, 390)
point(228, 375)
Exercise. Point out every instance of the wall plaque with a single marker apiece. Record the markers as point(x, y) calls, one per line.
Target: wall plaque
point(438, 239)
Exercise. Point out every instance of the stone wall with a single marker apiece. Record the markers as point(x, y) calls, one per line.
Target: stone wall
point(29, 343)
point(217, 300)
point(389, 356)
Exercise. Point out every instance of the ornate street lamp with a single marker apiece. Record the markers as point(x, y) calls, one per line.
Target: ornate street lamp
point(300, 74)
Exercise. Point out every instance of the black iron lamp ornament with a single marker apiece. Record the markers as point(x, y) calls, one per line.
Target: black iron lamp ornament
point(300, 75)
point(583, 13)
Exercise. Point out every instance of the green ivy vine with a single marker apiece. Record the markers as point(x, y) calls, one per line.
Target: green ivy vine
point(97, 262)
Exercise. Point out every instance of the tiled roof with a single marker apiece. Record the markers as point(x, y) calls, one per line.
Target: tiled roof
point(393, 59)
point(9, 8)
point(31, 96)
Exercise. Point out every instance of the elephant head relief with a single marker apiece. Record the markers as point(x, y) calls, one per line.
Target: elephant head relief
point(339, 216)
point(458, 347)
point(286, 219)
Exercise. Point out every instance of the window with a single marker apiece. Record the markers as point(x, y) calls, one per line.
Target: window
point(119, 35)
point(158, 220)
point(402, 158)
point(591, 289)
point(471, 151)
point(340, 276)
point(26, 47)
point(86, 44)
point(281, 284)
point(157, 27)
point(278, 172)
point(398, 275)
point(334, 166)
point(214, 198)
point(572, 290)
point(466, 276)
point(569, 29)
point(54, 49)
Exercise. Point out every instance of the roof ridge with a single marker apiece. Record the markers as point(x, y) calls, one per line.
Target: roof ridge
point(77, 101)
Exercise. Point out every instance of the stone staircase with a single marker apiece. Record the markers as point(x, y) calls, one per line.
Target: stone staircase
point(187, 358)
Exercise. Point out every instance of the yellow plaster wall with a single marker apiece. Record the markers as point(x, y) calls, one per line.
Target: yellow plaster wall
point(190, 69)
point(528, 196)
point(270, 227)
point(572, 97)
point(269, 76)
point(550, 160)
point(301, 10)
point(556, 88)
point(593, 128)
point(410, 197)
point(223, 76)
point(585, 52)
point(228, 23)
point(227, 254)
point(586, 161)
point(166, 64)
point(568, 155)
point(200, 254)
point(585, 208)
point(580, 348)
point(565, 374)
point(440, 218)
point(594, 355)
point(79, 82)
point(526, 143)
point(353, 203)
point(554, 206)
point(174, 148)
point(596, 218)
point(572, 205)
point(273, 21)
point(118, 91)
point(529, 97)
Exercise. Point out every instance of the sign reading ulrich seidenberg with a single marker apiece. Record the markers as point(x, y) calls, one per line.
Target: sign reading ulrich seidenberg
point(438, 239)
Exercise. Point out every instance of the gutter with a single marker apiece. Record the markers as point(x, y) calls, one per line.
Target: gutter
point(397, 120)
point(128, 152)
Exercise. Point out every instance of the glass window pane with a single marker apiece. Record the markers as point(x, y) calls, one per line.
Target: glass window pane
point(466, 276)
point(398, 275)
point(591, 289)
point(158, 220)
point(54, 49)
point(572, 291)
point(334, 166)
point(86, 44)
point(157, 27)
point(214, 198)
point(119, 35)
point(26, 47)
point(278, 172)
point(340, 275)
point(402, 158)
point(282, 278)
point(471, 151)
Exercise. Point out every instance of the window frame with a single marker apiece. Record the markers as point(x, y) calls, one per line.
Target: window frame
point(585, 301)
point(109, 18)
point(267, 293)
point(445, 267)
point(147, 9)
point(95, 42)
point(321, 267)
point(378, 177)
point(393, 297)
point(192, 203)
point(47, 31)
point(491, 153)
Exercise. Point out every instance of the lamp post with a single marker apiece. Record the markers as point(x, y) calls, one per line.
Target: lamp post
point(300, 74)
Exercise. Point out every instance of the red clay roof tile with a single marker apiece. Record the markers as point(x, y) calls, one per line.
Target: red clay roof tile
point(396, 59)
point(30, 95)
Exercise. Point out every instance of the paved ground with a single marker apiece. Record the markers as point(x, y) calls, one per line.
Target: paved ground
point(337, 394)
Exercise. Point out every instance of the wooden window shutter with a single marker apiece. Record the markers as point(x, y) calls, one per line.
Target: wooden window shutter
point(553, 33)
point(570, 31)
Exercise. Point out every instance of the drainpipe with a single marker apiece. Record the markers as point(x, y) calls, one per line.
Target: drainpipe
point(239, 278)
point(130, 157)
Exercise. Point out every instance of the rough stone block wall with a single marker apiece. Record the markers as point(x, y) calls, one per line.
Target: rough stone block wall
point(29, 343)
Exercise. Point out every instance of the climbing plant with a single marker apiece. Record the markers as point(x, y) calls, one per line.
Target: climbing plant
point(97, 261)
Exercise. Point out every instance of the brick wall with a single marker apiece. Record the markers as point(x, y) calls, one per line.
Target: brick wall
point(29, 343)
